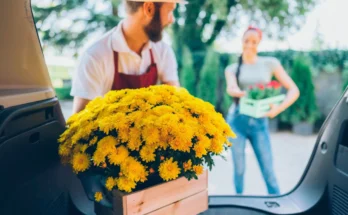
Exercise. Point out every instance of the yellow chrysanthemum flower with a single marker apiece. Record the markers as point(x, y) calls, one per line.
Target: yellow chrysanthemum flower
point(169, 170)
point(200, 149)
point(146, 121)
point(106, 124)
point(107, 144)
point(161, 110)
point(147, 153)
point(122, 122)
point(217, 146)
point(99, 157)
point(63, 137)
point(80, 162)
point(136, 116)
point(204, 140)
point(98, 196)
point(110, 183)
point(93, 141)
point(77, 148)
point(118, 156)
point(123, 135)
point(151, 134)
point(198, 169)
point(180, 143)
point(133, 169)
point(76, 138)
point(88, 129)
point(83, 148)
point(134, 142)
point(72, 119)
point(187, 165)
point(64, 150)
point(125, 184)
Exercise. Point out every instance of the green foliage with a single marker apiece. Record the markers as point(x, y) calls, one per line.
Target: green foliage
point(204, 20)
point(208, 80)
point(199, 23)
point(227, 102)
point(198, 16)
point(327, 60)
point(227, 99)
point(287, 58)
point(187, 74)
point(67, 24)
point(305, 108)
point(345, 76)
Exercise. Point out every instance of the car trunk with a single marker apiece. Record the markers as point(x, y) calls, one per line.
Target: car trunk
point(32, 179)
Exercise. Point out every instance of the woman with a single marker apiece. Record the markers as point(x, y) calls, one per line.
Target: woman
point(250, 70)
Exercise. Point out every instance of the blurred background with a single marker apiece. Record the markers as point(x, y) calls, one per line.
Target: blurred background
point(309, 37)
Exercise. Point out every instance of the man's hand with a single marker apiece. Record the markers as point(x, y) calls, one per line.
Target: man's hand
point(172, 83)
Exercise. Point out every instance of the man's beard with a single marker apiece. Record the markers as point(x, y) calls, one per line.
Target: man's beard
point(154, 29)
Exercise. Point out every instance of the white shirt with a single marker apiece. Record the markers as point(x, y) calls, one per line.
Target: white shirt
point(94, 75)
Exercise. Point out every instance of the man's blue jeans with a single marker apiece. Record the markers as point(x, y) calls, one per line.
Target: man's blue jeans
point(256, 131)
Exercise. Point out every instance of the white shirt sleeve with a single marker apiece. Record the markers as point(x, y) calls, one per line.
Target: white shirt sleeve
point(87, 81)
point(169, 66)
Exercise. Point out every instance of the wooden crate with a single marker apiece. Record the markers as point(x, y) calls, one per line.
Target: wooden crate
point(258, 108)
point(178, 197)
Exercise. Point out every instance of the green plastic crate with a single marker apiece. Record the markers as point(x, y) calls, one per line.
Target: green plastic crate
point(63, 93)
point(258, 108)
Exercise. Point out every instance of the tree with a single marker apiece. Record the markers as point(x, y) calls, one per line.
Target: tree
point(187, 72)
point(305, 108)
point(198, 24)
point(209, 78)
point(66, 24)
point(205, 20)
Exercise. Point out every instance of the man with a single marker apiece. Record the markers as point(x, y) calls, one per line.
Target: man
point(131, 55)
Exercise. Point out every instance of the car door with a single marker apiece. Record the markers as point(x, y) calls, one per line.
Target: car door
point(32, 179)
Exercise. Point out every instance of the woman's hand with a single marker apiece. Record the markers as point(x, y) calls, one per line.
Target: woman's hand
point(232, 86)
point(236, 92)
point(274, 111)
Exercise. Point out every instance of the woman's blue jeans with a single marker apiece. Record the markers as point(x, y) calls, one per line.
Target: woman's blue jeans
point(257, 132)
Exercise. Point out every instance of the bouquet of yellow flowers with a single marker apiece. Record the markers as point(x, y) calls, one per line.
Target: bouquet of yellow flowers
point(139, 136)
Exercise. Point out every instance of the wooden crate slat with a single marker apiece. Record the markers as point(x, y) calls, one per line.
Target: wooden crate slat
point(189, 206)
point(150, 199)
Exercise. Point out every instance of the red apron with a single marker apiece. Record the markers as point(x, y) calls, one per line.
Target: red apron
point(125, 81)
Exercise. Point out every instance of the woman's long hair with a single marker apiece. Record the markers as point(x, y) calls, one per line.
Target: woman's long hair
point(240, 63)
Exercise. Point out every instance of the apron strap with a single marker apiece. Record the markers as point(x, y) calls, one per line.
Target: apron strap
point(152, 59)
point(116, 61)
